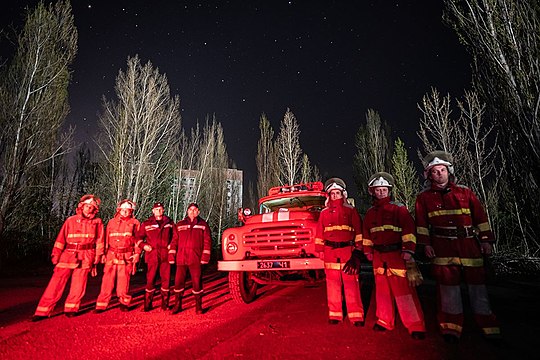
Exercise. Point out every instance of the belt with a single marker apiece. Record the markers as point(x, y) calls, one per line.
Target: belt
point(454, 232)
point(121, 250)
point(338, 244)
point(75, 246)
point(387, 248)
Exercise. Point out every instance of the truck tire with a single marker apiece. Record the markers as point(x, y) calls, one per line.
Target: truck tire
point(241, 287)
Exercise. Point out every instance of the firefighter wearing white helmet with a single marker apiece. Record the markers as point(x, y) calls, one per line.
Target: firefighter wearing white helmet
point(121, 256)
point(339, 241)
point(453, 227)
point(76, 251)
point(389, 241)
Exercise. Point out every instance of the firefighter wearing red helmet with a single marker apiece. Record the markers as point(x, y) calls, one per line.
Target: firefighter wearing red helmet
point(121, 256)
point(339, 240)
point(389, 241)
point(154, 237)
point(453, 226)
point(76, 251)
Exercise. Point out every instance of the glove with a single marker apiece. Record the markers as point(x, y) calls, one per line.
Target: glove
point(103, 259)
point(486, 248)
point(55, 259)
point(407, 256)
point(171, 258)
point(430, 253)
point(97, 259)
point(413, 273)
point(147, 248)
point(352, 266)
point(369, 256)
point(93, 272)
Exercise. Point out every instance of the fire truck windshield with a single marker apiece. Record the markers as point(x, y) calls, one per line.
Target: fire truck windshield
point(293, 203)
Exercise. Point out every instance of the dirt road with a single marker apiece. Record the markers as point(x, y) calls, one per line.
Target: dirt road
point(283, 323)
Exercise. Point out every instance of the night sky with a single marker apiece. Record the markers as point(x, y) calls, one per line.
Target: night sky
point(328, 61)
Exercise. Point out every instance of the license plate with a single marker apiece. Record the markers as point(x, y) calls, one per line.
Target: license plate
point(273, 264)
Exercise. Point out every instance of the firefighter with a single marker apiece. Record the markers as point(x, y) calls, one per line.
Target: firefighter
point(77, 249)
point(452, 225)
point(190, 250)
point(154, 237)
point(121, 256)
point(339, 241)
point(389, 241)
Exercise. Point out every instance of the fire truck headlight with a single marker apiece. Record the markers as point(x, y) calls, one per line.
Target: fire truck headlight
point(232, 248)
point(247, 212)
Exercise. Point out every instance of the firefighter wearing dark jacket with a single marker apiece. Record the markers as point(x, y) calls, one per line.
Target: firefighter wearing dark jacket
point(189, 250)
point(121, 256)
point(77, 249)
point(389, 241)
point(154, 237)
point(453, 226)
point(339, 241)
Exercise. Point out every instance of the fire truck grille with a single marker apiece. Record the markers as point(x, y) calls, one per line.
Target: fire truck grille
point(277, 239)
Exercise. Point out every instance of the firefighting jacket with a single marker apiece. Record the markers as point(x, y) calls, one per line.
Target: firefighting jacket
point(339, 222)
point(193, 243)
point(79, 243)
point(388, 226)
point(452, 213)
point(120, 239)
point(157, 236)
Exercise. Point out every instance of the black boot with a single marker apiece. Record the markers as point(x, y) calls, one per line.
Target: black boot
point(165, 299)
point(177, 303)
point(148, 297)
point(198, 304)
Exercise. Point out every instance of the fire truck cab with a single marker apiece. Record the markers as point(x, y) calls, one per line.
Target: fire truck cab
point(277, 245)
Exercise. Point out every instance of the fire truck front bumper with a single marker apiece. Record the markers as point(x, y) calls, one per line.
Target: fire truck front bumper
point(271, 264)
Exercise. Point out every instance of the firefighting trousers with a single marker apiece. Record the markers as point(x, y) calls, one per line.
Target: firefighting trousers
point(119, 273)
point(338, 283)
point(55, 289)
point(450, 304)
point(392, 291)
point(164, 273)
point(195, 272)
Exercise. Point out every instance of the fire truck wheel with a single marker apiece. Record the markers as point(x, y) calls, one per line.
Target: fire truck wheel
point(242, 288)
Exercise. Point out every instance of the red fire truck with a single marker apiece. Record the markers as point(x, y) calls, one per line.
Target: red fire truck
point(277, 245)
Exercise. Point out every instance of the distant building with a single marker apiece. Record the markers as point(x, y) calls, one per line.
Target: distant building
point(233, 184)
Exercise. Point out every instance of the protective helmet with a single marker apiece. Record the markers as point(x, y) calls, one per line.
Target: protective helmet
point(335, 183)
point(90, 199)
point(126, 204)
point(438, 157)
point(380, 179)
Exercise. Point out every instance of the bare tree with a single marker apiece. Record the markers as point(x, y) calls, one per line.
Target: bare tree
point(405, 176)
point(138, 134)
point(266, 160)
point(288, 148)
point(372, 151)
point(439, 131)
point(504, 40)
point(33, 107)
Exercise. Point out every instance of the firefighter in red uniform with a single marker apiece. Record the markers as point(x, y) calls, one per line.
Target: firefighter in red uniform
point(453, 226)
point(154, 237)
point(121, 256)
point(189, 250)
point(389, 241)
point(339, 240)
point(77, 249)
